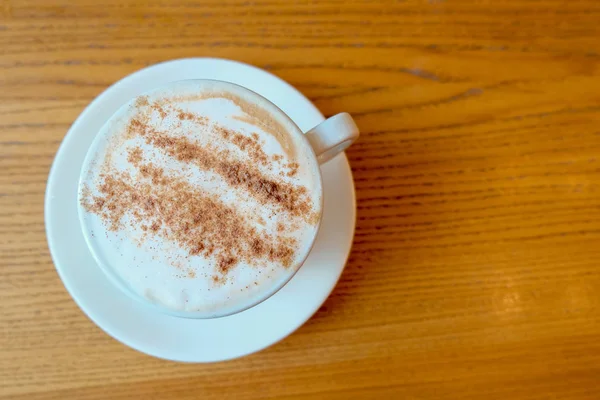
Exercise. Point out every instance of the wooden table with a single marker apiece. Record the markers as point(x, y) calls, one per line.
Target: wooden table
point(475, 269)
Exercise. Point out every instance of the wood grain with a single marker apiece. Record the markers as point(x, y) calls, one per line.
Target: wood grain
point(474, 273)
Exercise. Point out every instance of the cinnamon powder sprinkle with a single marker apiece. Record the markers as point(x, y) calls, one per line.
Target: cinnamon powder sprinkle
point(290, 197)
point(135, 155)
point(156, 106)
point(248, 144)
point(188, 116)
point(293, 168)
point(197, 221)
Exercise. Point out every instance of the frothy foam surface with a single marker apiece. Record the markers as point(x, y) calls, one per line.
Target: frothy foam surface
point(200, 196)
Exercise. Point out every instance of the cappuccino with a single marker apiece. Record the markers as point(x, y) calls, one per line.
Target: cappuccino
point(200, 196)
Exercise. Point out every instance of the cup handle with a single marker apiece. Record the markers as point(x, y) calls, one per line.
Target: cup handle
point(332, 136)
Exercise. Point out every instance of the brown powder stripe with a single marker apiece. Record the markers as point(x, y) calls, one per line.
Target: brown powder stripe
point(172, 208)
point(291, 198)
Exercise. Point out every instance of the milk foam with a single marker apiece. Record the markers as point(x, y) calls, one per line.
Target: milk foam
point(162, 270)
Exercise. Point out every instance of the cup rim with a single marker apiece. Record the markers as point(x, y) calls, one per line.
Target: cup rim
point(125, 287)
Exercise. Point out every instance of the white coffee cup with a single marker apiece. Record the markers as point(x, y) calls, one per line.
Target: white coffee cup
point(323, 142)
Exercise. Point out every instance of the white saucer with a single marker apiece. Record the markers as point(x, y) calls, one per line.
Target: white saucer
point(195, 340)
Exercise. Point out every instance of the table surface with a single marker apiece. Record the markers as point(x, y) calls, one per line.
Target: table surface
point(474, 272)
